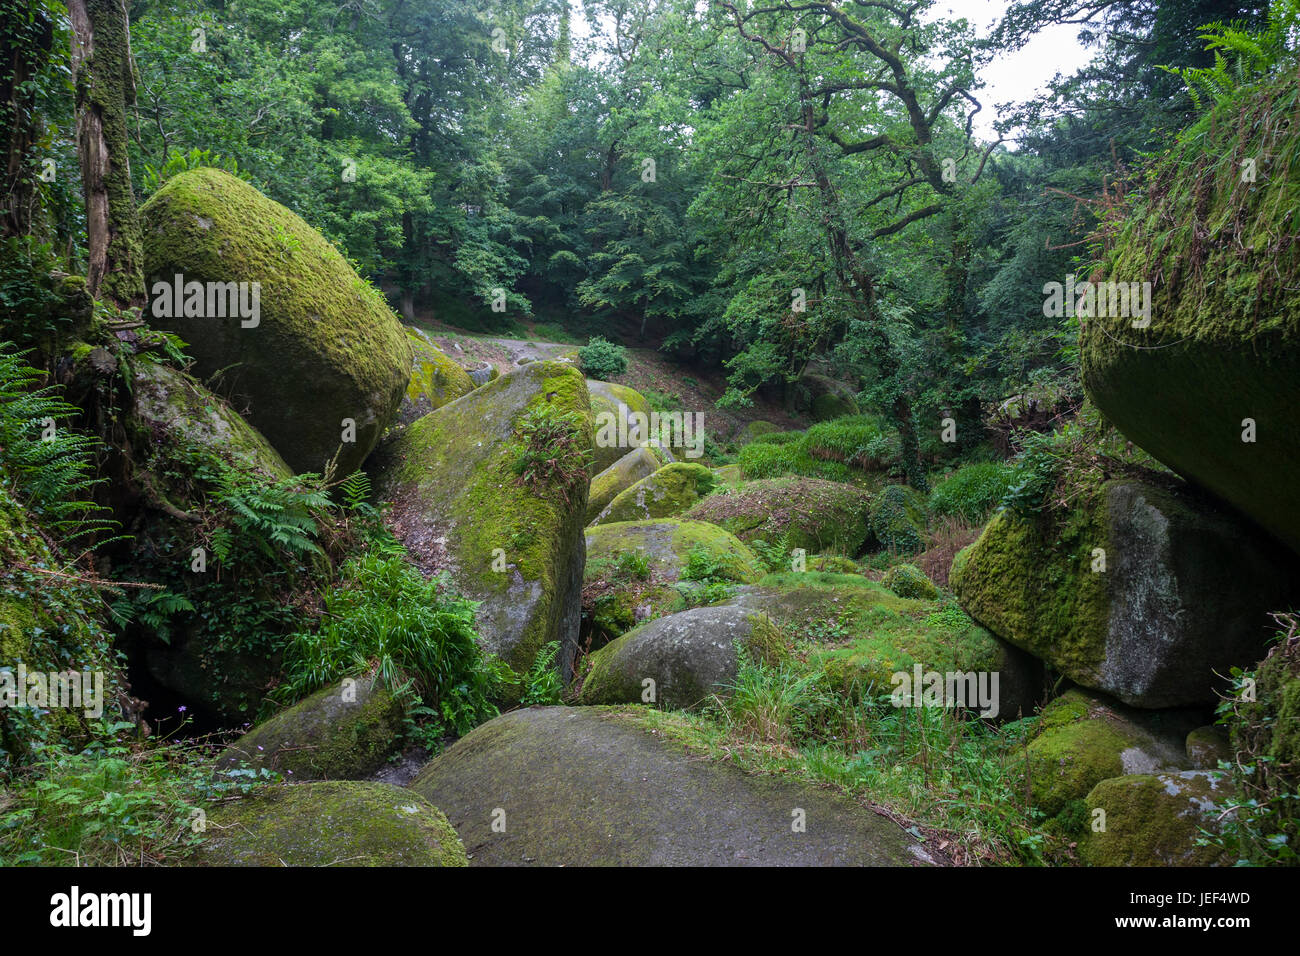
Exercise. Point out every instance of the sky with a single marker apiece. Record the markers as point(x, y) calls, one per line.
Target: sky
point(1015, 76)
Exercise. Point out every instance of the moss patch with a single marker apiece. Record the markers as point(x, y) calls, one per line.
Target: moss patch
point(670, 491)
point(791, 513)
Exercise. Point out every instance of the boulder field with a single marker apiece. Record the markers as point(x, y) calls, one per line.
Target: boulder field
point(593, 787)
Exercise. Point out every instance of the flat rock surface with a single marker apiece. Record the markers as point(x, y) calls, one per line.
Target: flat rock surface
point(587, 786)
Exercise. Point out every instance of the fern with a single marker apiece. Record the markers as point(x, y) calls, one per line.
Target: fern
point(1251, 54)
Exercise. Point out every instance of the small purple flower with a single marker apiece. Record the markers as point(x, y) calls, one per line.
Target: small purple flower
point(182, 708)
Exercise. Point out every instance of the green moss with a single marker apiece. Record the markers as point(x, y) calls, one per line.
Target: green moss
point(1221, 345)
point(909, 581)
point(606, 397)
point(330, 824)
point(637, 464)
point(670, 491)
point(1071, 758)
point(898, 519)
point(459, 506)
point(435, 379)
point(325, 737)
point(1031, 581)
point(1156, 820)
point(327, 346)
point(791, 513)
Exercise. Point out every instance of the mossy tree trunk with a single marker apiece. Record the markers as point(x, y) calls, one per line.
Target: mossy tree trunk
point(26, 39)
point(105, 82)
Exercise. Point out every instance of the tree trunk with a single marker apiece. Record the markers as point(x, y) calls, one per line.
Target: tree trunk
point(24, 50)
point(105, 82)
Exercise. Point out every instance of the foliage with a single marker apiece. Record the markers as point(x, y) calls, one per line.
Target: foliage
point(972, 492)
point(602, 359)
point(543, 684)
point(418, 635)
point(115, 802)
point(553, 455)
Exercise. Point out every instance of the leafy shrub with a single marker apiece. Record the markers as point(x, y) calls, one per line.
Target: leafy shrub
point(417, 634)
point(858, 440)
point(766, 460)
point(553, 455)
point(898, 519)
point(602, 359)
point(972, 492)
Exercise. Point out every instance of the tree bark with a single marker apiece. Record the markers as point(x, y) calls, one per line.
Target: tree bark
point(105, 83)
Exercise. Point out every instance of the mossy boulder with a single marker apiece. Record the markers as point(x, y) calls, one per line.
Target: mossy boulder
point(1206, 746)
point(728, 475)
point(336, 823)
point(1157, 820)
point(752, 430)
point(1223, 342)
point(862, 635)
point(1084, 740)
point(460, 505)
point(623, 474)
point(898, 519)
point(345, 731)
point(326, 348)
point(635, 569)
point(670, 491)
point(688, 657)
point(791, 513)
point(909, 581)
point(436, 379)
point(1265, 734)
point(1180, 592)
point(589, 786)
point(172, 407)
point(823, 398)
point(610, 404)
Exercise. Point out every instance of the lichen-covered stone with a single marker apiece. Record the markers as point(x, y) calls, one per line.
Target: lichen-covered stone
point(174, 407)
point(326, 347)
point(898, 519)
point(1157, 820)
point(459, 505)
point(609, 403)
point(436, 379)
point(341, 732)
point(1184, 596)
point(1084, 740)
point(791, 513)
point(1223, 342)
point(338, 823)
point(689, 657)
point(589, 786)
point(670, 491)
point(623, 474)
point(909, 581)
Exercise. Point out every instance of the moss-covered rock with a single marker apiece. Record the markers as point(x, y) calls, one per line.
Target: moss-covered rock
point(686, 657)
point(1156, 820)
point(635, 569)
point(791, 513)
point(623, 474)
point(728, 475)
point(461, 506)
point(611, 403)
point(586, 786)
point(1265, 735)
point(909, 581)
point(1084, 740)
point(752, 430)
point(898, 519)
point(862, 635)
point(1206, 746)
point(174, 407)
point(326, 348)
point(670, 491)
point(340, 823)
point(823, 398)
point(342, 732)
point(1223, 342)
point(436, 379)
point(1183, 596)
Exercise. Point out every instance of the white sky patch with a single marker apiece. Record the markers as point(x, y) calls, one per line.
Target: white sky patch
point(1016, 76)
